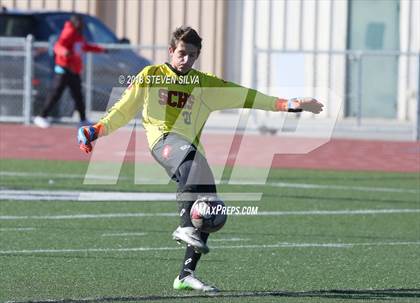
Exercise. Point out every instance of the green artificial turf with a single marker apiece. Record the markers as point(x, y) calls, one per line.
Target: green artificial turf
point(283, 257)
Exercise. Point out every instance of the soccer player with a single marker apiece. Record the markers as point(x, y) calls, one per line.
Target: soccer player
point(177, 100)
point(68, 66)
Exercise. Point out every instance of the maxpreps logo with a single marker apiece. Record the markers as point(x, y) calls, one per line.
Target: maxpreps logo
point(207, 211)
point(177, 100)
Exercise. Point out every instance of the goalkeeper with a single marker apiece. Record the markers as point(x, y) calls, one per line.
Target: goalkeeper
point(176, 100)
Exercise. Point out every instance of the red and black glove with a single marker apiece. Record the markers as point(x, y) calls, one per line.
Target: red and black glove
point(87, 134)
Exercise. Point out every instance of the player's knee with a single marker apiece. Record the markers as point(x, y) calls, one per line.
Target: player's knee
point(208, 214)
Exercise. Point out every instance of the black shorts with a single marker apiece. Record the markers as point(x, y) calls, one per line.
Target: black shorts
point(186, 166)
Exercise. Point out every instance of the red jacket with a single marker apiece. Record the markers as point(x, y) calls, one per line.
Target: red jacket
point(72, 43)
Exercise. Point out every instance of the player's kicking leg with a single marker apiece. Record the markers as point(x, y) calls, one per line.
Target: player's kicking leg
point(186, 280)
point(191, 237)
point(191, 171)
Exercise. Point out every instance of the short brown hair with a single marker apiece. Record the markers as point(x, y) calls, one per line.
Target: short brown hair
point(187, 35)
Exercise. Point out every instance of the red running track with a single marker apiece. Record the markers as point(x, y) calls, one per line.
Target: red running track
point(59, 143)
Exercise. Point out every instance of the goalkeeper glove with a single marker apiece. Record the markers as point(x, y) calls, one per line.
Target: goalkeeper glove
point(308, 104)
point(87, 134)
point(299, 104)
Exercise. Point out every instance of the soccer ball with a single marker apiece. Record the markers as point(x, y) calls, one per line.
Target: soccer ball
point(208, 214)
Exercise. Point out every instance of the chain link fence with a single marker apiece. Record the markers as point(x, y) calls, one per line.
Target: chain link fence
point(27, 72)
point(13, 76)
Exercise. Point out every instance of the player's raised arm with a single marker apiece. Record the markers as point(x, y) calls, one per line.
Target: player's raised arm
point(117, 116)
point(219, 94)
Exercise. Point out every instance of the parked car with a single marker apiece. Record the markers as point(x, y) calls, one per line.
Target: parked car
point(46, 27)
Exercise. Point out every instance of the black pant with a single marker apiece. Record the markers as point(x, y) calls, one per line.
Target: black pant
point(188, 167)
point(60, 82)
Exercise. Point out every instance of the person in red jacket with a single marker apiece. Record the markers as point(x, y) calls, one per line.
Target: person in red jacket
point(68, 67)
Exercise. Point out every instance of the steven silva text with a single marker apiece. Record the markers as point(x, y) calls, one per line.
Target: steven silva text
point(158, 79)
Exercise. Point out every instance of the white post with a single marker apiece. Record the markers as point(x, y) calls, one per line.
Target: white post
point(359, 87)
point(27, 81)
point(89, 77)
point(417, 117)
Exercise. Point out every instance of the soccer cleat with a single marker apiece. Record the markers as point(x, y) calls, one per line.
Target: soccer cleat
point(41, 122)
point(190, 282)
point(191, 236)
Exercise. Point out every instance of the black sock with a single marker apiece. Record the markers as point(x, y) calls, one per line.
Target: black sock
point(184, 213)
point(191, 258)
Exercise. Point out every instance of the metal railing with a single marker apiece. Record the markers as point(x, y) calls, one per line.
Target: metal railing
point(352, 93)
point(15, 91)
point(26, 76)
point(316, 30)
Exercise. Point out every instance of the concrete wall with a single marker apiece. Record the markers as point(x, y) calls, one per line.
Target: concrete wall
point(318, 25)
point(295, 25)
point(84, 6)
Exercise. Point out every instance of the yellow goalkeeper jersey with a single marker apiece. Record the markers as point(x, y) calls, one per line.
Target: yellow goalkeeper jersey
point(171, 102)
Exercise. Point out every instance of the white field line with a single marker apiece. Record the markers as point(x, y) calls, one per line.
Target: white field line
point(235, 182)
point(256, 246)
point(18, 229)
point(89, 216)
point(264, 213)
point(336, 187)
point(62, 195)
point(58, 176)
point(340, 212)
point(124, 234)
point(229, 240)
point(82, 196)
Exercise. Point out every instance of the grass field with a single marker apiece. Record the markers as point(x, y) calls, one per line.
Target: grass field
point(321, 236)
